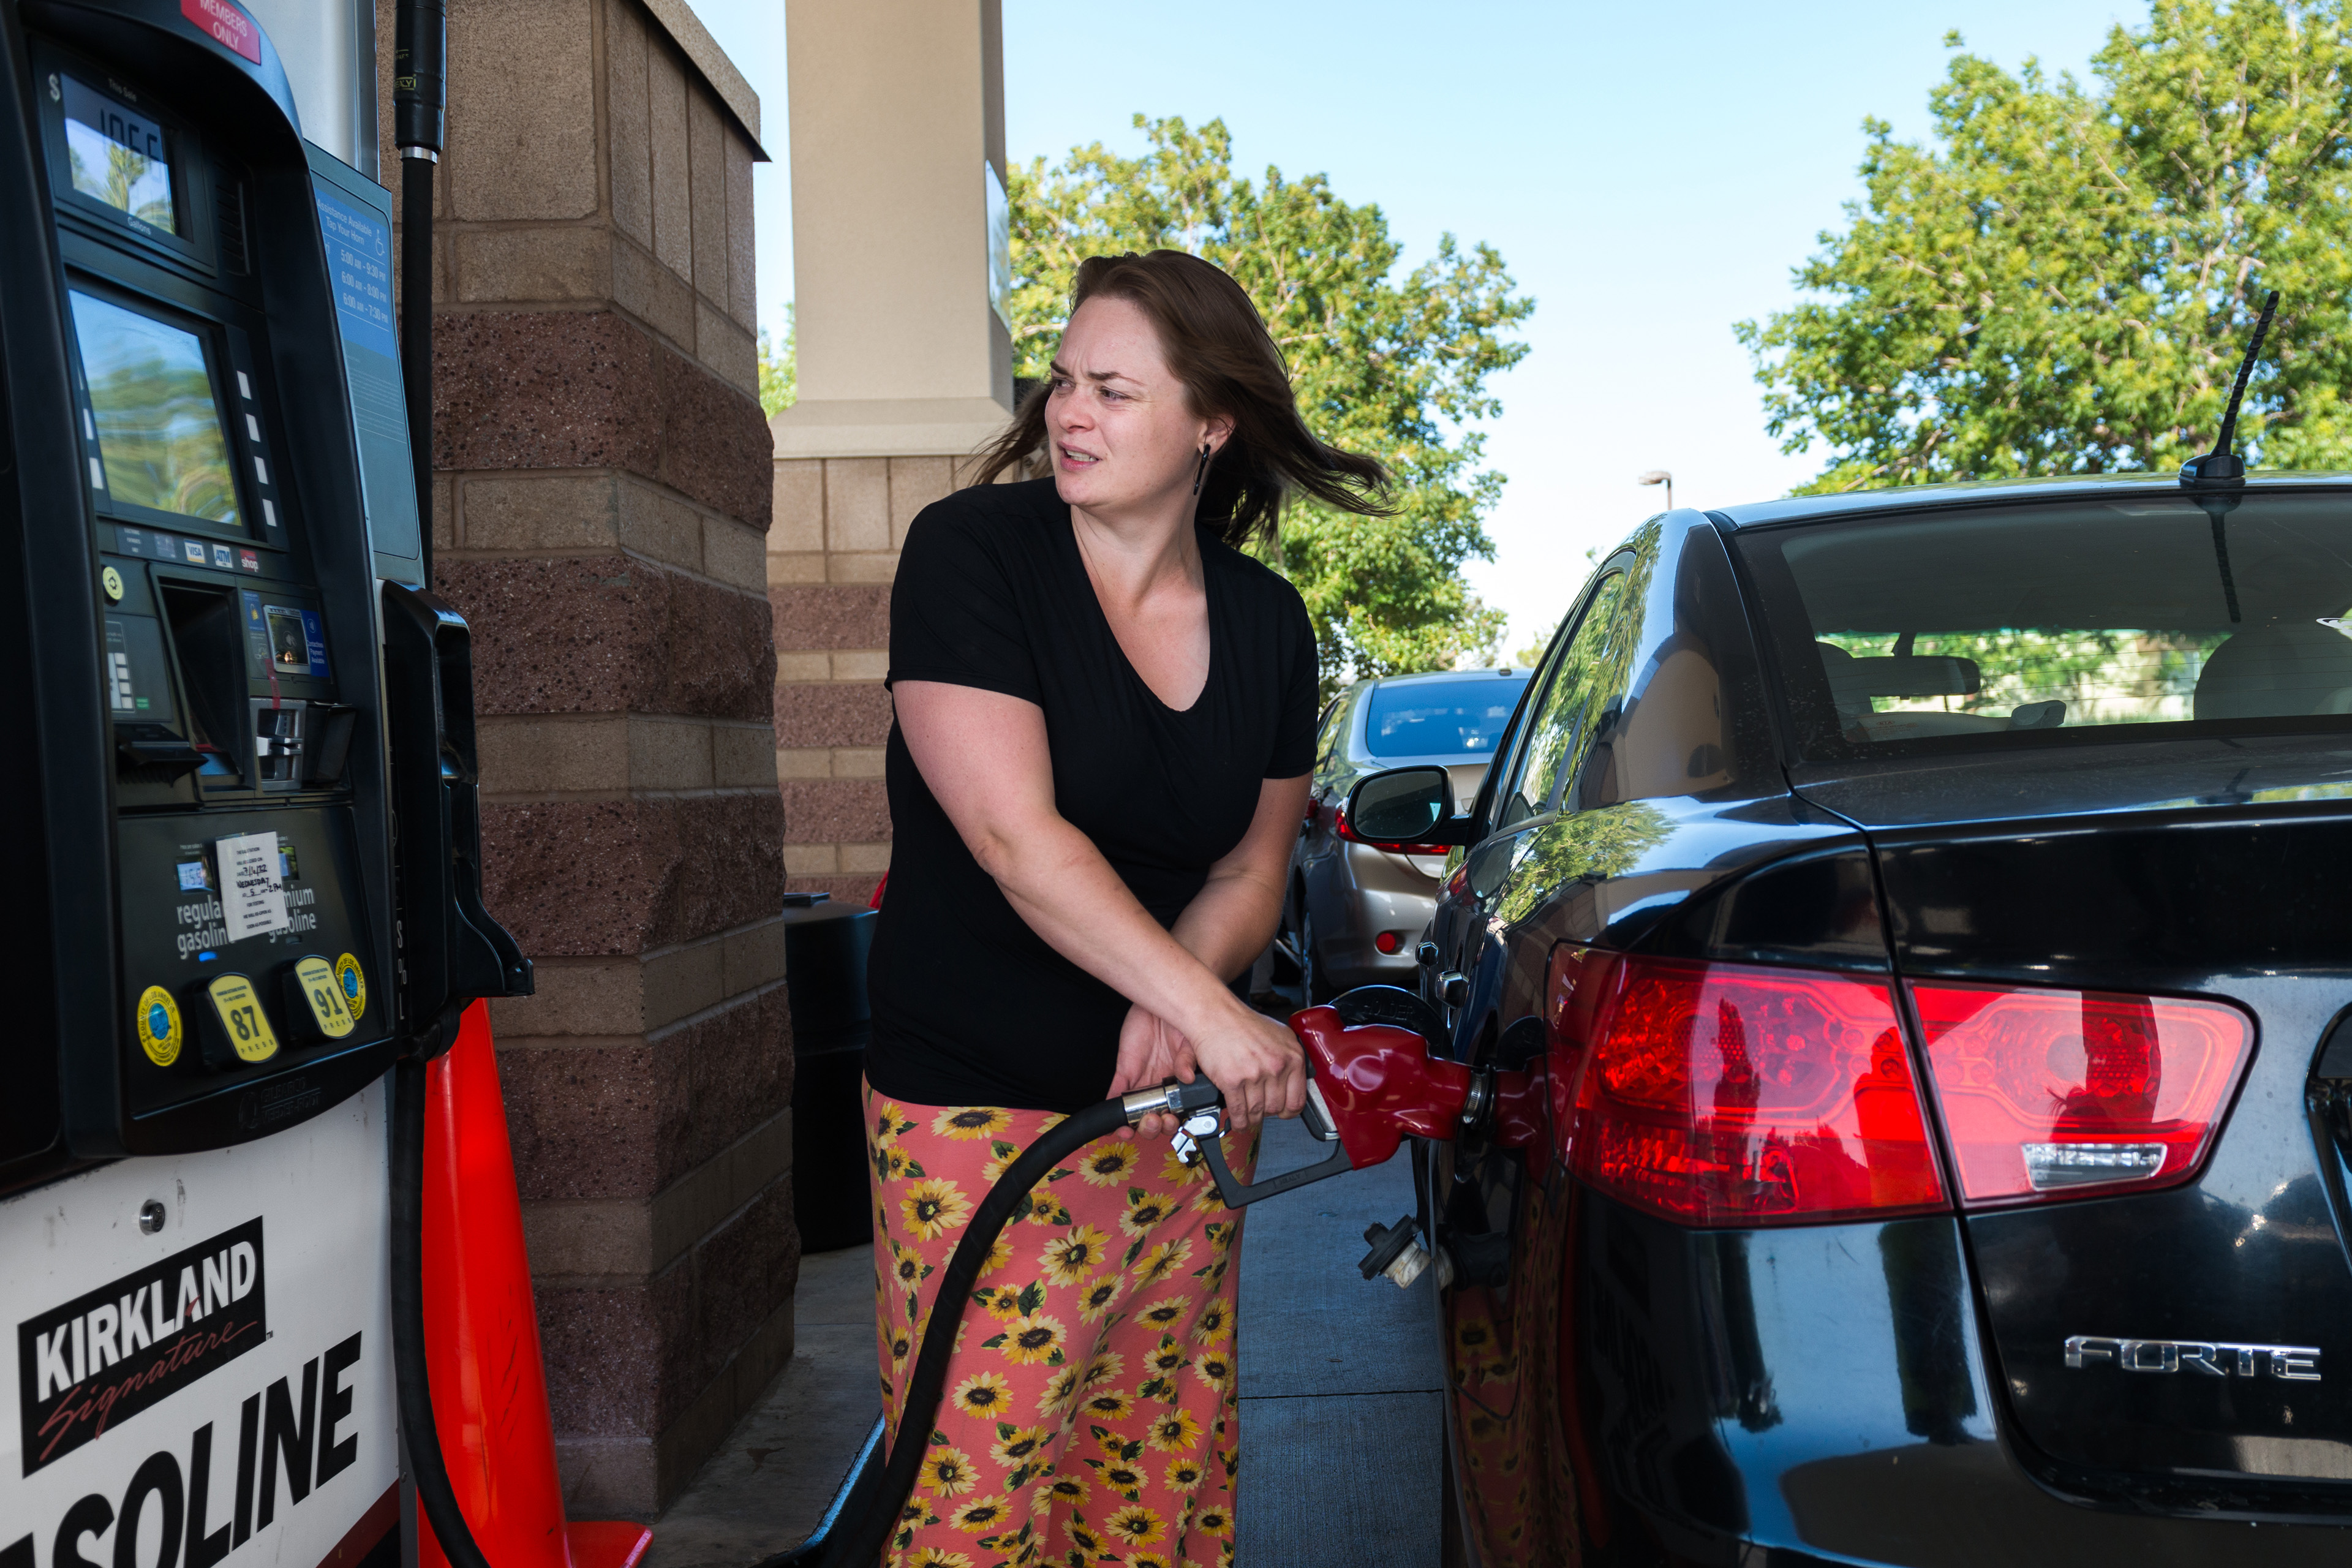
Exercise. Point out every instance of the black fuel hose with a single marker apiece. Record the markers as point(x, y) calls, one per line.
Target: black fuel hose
point(428, 1468)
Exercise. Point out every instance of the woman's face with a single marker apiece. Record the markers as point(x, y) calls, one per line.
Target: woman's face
point(1118, 425)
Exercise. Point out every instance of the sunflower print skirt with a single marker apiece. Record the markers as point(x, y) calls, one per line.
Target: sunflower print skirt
point(1089, 1415)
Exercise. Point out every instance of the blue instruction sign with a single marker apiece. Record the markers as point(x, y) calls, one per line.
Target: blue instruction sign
point(359, 256)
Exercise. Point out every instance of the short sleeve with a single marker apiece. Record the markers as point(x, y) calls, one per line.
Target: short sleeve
point(1294, 735)
point(953, 614)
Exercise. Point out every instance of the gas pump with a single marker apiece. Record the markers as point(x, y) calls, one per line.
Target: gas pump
point(241, 841)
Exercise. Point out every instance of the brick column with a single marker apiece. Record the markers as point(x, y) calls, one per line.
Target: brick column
point(603, 494)
point(831, 553)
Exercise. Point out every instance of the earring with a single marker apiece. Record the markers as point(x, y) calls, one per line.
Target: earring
point(1201, 469)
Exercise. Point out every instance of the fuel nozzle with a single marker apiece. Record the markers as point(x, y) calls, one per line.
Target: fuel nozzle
point(1370, 1085)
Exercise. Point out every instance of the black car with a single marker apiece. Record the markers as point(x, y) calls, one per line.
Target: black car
point(1907, 940)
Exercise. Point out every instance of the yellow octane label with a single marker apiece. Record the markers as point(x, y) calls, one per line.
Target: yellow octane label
point(353, 981)
point(325, 995)
point(240, 1014)
point(159, 1025)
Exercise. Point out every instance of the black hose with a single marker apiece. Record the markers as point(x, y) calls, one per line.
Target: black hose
point(428, 1468)
point(417, 341)
point(872, 1528)
point(419, 124)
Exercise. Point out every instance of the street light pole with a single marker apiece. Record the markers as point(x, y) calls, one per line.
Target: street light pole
point(1659, 477)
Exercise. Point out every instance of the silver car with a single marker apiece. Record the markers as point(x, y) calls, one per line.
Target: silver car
point(1356, 910)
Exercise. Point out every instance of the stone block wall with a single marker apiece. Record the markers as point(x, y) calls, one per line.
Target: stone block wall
point(602, 504)
point(832, 550)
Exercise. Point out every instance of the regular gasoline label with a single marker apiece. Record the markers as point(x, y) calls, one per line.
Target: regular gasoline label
point(240, 1014)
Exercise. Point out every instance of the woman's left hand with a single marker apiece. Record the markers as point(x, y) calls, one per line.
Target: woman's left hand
point(1151, 1052)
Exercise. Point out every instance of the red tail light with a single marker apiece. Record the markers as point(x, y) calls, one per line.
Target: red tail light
point(2049, 1092)
point(1340, 821)
point(1718, 1094)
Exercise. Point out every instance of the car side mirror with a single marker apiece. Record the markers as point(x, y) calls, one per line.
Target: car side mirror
point(1406, 805)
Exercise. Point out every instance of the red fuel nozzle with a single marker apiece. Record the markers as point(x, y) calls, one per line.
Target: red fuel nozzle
point(1370, 1085)
point(1378, 1083)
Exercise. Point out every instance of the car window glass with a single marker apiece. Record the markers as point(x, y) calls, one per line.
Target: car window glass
point(2030, 626)
point(1326, 737)
point(1544, 760)
point(1440, 718)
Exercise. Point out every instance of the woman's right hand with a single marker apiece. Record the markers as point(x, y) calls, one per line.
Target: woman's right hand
point(1256, 1064)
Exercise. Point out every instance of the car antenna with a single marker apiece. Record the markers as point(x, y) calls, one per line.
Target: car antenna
point(2217, 477)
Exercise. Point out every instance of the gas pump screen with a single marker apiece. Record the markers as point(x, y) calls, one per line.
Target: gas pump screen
point(160, 442)
point(119, 157)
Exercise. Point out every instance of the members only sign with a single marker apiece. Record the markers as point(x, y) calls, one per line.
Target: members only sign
point(218, 1391)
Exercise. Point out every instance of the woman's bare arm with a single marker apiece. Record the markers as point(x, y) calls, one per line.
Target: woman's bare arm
point(986, 759)
point(1233, 916)
point(1226, 926)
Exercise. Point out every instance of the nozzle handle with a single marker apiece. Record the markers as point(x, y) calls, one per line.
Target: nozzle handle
point(1183, 1099)
point(1237, 1194)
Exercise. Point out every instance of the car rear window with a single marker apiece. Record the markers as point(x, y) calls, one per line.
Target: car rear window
point(1440, 718)
point(2024, 625)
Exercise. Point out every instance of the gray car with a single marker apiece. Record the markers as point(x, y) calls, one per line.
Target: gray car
point(1356, 910)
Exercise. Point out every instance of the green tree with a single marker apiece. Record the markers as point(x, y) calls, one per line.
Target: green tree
point(2063, 279)
point(779, 368)
point(1396, 367)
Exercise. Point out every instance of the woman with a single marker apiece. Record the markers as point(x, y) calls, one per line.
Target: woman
point(1105, 722)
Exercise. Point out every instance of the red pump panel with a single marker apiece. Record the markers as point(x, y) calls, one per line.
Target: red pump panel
point(1380, 1083)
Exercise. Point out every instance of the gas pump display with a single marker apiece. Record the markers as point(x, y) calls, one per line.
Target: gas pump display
point(227, 526)
point(240, 838)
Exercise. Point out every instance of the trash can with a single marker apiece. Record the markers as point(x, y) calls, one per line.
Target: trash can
point(824, 978)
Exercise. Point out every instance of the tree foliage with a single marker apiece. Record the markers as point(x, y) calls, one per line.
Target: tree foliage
point(779, 368)
point(1396, 367)
point(2063, 279)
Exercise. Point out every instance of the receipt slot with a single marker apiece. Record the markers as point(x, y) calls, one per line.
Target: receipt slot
point(241, 837)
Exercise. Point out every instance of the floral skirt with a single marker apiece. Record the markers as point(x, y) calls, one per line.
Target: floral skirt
point(1089, 1415)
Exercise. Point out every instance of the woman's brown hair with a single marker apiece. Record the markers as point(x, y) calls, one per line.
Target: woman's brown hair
point(1220, 351)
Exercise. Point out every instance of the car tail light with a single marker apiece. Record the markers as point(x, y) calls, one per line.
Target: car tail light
point(1340, 821)
point(1389, 941)
point(1719, 1094)
point(2046, 1092)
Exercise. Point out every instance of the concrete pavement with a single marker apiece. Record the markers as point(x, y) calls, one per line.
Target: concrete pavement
point(1340, 1378)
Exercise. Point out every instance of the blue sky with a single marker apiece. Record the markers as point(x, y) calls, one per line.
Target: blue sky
point(1650, 176)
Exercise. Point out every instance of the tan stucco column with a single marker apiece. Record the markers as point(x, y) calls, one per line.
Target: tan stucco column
point(898, 130)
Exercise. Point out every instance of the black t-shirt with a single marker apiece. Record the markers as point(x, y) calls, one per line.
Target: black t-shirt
point(971, 1006)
